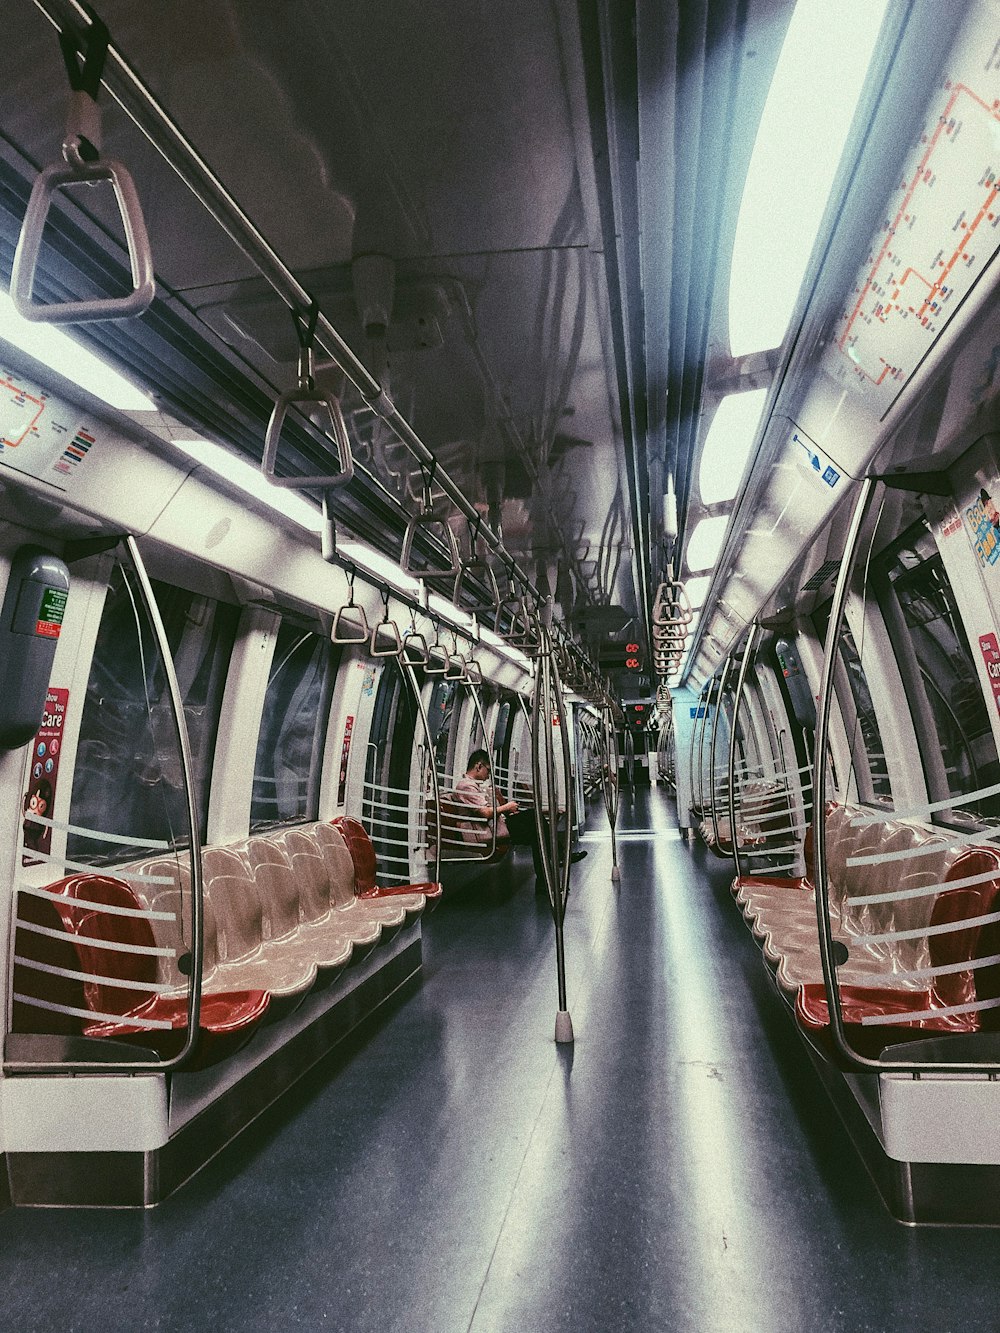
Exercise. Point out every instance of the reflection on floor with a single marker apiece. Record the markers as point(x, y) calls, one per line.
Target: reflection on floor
point(678, 1169)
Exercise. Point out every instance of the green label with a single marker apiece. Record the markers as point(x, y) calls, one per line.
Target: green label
point(53, 605)
point(51, 612)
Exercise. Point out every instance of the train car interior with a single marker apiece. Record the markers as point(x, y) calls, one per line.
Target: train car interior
point(500, 664)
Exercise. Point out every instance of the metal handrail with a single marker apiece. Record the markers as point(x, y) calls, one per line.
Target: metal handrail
point(726, 670)
point(556, 869)
point(740, 683)
point(139, 103)
point(609, 761)
point(197, 910)
point(862, 511)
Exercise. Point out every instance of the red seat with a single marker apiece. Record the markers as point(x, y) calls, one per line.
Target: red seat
point(949, 990)
point(366, 866)
point(119, 982)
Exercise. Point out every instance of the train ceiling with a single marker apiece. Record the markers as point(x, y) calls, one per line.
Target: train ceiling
point(552, 189)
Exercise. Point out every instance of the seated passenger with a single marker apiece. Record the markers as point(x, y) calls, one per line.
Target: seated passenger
point(476, 789)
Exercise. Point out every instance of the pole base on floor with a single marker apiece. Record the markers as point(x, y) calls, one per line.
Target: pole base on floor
point(616, 875)
point(564, 1027)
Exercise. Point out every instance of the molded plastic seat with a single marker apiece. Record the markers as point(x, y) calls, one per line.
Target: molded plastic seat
point(948, 990)
point(120, 982)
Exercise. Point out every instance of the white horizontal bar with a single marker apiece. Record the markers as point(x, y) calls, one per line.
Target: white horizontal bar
point(47, 859)
point(117, 946)
point(924, 890)
point(97, 836)
point(927, 848)
point(100, 907)
point(92, 1015)
point(890, 1020)
point(73, 975)
point(922, 811)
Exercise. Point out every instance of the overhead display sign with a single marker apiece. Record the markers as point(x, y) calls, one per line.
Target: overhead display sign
point(940, 227)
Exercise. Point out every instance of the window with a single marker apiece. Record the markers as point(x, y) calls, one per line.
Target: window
point(946, 671)
point(127, 777)
point(293, 728)
point(866, 721)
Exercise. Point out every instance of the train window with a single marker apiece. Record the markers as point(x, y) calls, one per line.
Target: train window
point(866, 720)
point(440, 715)
point(127, 777)
point(914, 575)
point(293, 728)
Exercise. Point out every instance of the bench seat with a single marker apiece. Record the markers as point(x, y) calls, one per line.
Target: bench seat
point(118, 982)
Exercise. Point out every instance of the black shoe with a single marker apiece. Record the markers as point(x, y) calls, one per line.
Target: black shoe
point(576, 856)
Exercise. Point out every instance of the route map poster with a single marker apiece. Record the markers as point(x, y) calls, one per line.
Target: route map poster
point(40, 435)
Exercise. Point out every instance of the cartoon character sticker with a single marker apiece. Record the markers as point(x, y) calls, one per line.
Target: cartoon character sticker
point(983, 519)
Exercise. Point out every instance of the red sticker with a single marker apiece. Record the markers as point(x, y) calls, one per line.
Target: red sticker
point(344, 756)
point(990, 650)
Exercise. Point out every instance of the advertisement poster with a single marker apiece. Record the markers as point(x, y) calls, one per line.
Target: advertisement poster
point(345, 754)
point(983, 522)
point(990, 650)
point(40, 796)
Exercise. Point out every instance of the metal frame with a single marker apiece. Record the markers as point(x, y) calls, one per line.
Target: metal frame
point(862, 511)
point(726, 670)
point(740, 684)
point(610, 781)
point(197, 907)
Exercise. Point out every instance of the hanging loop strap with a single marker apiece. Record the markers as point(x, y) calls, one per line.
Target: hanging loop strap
point(385, 640)
point(415, 649)
point(432, 518)
point(82, 164)
point(350, 624)
point(304, 394)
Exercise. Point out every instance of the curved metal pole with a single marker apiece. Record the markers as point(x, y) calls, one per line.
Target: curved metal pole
point(411, 676)
point(197, 919)
point(629, 760)
point(740, 684)
point(709, 690)
point(712, 749)
point(821, 879)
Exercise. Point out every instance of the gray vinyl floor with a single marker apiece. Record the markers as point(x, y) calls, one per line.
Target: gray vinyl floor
point(678, 1169)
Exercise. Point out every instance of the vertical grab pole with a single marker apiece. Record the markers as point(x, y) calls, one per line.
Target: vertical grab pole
point(554, 867)
point(711, 753)
point(740, 683)
point(411, 677)
point(820, 878)
point(609, 781)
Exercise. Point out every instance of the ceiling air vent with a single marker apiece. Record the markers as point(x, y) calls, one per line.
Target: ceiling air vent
point(825, 571)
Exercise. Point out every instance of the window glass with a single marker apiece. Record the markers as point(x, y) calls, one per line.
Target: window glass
point(947, 670)
point(293, 728)
point(866, 720)
point(440, 715)
point(127, 777)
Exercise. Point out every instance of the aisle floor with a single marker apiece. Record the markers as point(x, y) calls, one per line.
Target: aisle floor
point(678, 1168)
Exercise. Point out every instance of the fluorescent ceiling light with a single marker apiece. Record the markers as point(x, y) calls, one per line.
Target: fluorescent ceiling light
point(242, 473)
point(696, 589)
point(57, 350)
point(380, 566)
point(705, 543)
point(810, 106)
point(446, 610)
point(727, 445)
